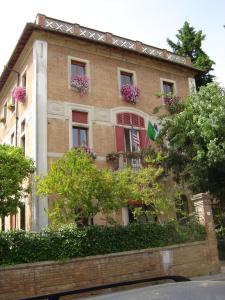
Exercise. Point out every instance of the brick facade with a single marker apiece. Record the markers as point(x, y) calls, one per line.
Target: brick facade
point(48, 48)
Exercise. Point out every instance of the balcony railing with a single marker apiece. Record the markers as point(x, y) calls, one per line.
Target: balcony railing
point(109, 38)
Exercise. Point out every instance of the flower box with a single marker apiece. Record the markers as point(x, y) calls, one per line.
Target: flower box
point(19, 94)
point(130, 93)
point(80, 83)
point(173, 104)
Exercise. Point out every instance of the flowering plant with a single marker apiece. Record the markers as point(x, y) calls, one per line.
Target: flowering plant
point(130, 93)
point(173, 103)
point(80, 83)
point(19, 94)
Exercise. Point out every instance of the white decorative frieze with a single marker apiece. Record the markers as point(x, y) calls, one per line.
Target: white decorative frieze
point(124, 43)
point(152, 51)
point(91, 34)
point(60, 26)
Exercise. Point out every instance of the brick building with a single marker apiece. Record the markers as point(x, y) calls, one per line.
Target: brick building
point(55, 117)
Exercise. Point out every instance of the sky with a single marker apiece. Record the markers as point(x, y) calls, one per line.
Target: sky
point(149, 21)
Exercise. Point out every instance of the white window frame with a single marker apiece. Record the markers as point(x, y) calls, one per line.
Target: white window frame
point(134, 77)
point(87, 70)
point(80, 108)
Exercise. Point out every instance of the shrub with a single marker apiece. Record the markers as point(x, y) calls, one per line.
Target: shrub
point(70, 242)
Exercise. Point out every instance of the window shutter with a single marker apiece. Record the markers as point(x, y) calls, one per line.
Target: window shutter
point(120, 147)
point(144, 140)
point(80, 117)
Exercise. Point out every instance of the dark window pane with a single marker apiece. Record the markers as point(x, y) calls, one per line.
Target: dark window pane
point(126, 78)
point(168, 88)
point(127, 140)
point(77, 68)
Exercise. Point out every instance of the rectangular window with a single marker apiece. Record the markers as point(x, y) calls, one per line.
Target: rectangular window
point(22, 126)
point(22, 217)
point(126, 78)
point(132, 140)
point(12, 139)
point(24, 80)
point(23, 143)
point(77, 68)
point(80, 136)
point(5, 109)
point(168, 88)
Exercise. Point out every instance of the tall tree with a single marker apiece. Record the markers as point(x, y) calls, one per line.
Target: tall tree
point(197, 142)
point(189, 43)
point(14, 170)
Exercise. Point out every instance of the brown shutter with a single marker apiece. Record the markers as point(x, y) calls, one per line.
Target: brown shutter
point(144, 140)
point(120, 146)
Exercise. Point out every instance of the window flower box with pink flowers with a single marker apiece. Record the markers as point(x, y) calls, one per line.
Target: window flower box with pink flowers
point(19, 94)
point(173, 104)
point(130, 93)
point(80, 83)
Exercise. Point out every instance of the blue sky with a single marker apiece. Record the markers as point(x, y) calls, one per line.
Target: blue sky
point(144, 20)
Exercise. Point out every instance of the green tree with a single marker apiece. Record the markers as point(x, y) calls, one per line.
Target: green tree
point(197, 141)
point(14, 170)
point(148, 187)
point(78, 189)
point(189, 43)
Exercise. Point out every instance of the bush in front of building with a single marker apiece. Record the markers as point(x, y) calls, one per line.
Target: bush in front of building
point(70, 242)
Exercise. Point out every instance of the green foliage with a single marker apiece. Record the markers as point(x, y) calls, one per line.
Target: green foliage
point(190, 44)
point(197, 142)
point(69, 242)
point(14, 170)
point(79, 189)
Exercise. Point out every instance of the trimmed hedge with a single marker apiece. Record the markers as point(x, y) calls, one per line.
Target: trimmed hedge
point(70, 242)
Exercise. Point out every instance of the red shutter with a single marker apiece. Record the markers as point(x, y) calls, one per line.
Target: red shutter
point(80, 117)
point(144, 140)
point(120, 147)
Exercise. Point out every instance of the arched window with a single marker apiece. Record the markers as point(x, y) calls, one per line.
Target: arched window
point(130, 132)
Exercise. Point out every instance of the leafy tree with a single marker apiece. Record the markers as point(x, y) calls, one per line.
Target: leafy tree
point(79, 189)
point(189, 43)
point(197, 141)
point(14, 170)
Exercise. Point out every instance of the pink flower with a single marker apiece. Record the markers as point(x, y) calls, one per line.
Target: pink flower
point(19, 94)
point(80, 83)
point(130, 93)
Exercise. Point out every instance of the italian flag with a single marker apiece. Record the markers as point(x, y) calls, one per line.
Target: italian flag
point(152, 131)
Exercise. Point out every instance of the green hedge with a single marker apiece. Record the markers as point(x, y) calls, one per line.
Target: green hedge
point(69, 242)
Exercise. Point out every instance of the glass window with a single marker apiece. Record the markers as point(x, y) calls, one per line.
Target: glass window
point(24, 80)
point(80, 136)
point(132, 140)
point(5, 110)
point(77, 68)
point(126, 78)
point(168, 88)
